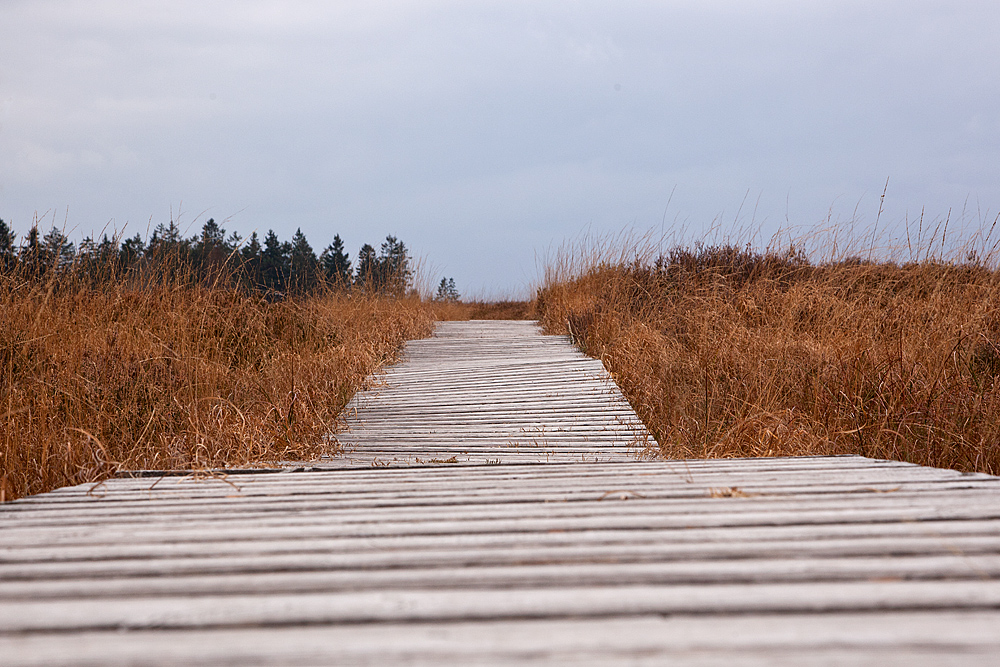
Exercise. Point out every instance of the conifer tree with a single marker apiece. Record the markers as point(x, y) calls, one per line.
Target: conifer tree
point(107, 251)
point(395, 274)
point(251, 249)
point(7, 256)
point(366, 272)
point(336, 263)
point(447, 291)
point(274, 263)
point(131, 251)
point(209, 251)
point(167, 240)
point(304, 267)
point(31, 255)
point(58, 249)
point(212, 235)
point(168, 252)
point(250, 258)
point(88, 258)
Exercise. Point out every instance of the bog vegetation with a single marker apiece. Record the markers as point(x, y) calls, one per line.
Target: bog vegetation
point(186, 353)
point(217, 351)
point(724, 350)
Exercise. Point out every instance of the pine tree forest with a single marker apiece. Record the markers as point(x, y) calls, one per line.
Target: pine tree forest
point(269, 266)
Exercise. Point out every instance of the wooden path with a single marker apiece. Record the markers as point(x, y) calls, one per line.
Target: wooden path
point(599, 560)
point(492, 392)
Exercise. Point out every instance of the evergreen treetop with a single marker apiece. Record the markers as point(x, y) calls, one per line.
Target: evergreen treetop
point(271, 266)
point(336, 263)
point(447, 291)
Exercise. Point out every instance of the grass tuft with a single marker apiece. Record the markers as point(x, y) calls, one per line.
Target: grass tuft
point(125, 376)
point(484, 310)
point(726, 351)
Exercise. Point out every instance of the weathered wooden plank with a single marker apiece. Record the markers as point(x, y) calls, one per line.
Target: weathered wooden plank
point(324, 557)
point(741, 570)
point(890, 638)
point(661, 487)
point(650, 479)
point(312, 556)
point(112, 535)
point(690, 471)
point(674, 486)
point(492, 604)
point(678, 511)
point(481, 514)
point(248, 496)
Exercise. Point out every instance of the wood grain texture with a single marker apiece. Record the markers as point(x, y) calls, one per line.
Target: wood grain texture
point(568, 551)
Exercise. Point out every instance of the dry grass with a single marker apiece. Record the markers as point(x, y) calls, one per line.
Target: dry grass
point(99, 379)
point(726, 352)
point(484, 310)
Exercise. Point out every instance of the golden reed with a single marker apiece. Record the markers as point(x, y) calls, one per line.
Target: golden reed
point(125, 376)
point(725, 351)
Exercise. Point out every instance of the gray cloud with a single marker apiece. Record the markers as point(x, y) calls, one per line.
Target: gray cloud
point(482, 132)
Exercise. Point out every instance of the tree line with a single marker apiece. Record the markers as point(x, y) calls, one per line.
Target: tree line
point(271, 266)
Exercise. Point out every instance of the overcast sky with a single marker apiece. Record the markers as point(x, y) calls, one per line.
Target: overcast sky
point(481, 133)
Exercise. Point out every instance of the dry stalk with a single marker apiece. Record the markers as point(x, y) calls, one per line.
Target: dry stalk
point(97, 379)
point(728, 351)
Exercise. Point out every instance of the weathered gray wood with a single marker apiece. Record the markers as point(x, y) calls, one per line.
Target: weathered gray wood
point(387, 581)
point(246, 499)
point(890, 638)
point(666, 479)
point(491, 604)
point(315, 557)
point(769, 569)
point(504, 388)
point(570, 551)
point(291, 534)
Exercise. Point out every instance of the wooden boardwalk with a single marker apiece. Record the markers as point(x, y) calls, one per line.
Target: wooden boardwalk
point(492, 392)
point(590, 558)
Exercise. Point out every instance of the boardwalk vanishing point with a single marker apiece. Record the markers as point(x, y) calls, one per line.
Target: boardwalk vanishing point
point(496, 504)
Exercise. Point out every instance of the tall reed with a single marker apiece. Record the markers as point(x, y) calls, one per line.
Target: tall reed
point(728, 351)
point(135, 373)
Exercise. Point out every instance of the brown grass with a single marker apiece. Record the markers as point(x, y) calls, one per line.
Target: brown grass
point(99, 379)
point(484, 310)
point(724, 351)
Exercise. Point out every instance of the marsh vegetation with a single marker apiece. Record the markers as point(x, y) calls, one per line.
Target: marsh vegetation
point(174, 354)
point(806, 346)
point(820, 345)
